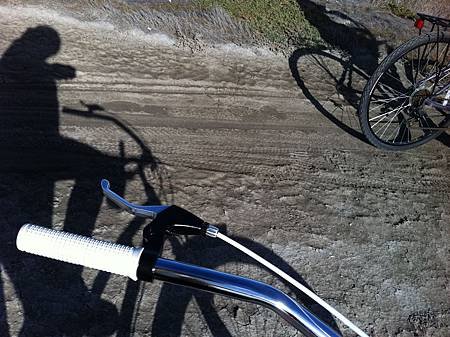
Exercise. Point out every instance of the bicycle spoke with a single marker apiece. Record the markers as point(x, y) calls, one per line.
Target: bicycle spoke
point(424, 119)
point(445, 86)
point(445, 76)
point(397, 79)
point(446, 72)
point(405, 71)
point(439, 64)
point(372, 126)
point(389, 89)
point(383, 116)
point(379, 107)
point(388, 124)
point(428, 58)
point(384, 97)
point(386, 100)
point(390, 112)
point(436, 82)
point(396, 131)
point(407, 133)
point(387, 113)
point(418, 62)
point(397, 112)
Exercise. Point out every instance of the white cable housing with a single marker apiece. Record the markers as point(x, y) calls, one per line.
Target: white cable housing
point(294, 282)
point(72, 248)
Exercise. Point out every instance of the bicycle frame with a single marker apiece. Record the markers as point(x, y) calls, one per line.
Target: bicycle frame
point(244, 289)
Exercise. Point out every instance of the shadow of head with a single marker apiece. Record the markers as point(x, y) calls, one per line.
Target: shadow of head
point(43, 41)
point(26, 58)
point(34, 46)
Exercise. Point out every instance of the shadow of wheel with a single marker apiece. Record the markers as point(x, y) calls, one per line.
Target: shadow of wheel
point(332, 83)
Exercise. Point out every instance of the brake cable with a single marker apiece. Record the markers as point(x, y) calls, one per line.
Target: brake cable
point(174, 220)
point(289, 279)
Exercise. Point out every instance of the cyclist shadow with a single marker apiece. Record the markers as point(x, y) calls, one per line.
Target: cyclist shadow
point(173, 301)
point(35, 156)
point(333, 80)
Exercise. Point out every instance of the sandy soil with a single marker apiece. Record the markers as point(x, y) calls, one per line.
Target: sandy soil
point(230, 136)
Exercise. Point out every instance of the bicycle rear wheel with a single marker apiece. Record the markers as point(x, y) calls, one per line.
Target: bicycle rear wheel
point(402, 103)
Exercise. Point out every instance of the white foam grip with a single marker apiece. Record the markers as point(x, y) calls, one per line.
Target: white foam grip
point(81, 250)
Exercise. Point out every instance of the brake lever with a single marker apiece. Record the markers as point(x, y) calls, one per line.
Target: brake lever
point(137, 210)
point(166, 220)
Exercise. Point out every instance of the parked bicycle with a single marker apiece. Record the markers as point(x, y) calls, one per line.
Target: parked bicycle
point(406, 101)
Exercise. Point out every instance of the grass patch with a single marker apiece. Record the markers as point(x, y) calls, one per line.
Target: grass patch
point(400, 10)
point(279, 21)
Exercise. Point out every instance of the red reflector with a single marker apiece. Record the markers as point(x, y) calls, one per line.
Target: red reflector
point(419, 24)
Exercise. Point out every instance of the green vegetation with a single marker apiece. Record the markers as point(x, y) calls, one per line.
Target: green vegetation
point(400, 10)
point(279, 21)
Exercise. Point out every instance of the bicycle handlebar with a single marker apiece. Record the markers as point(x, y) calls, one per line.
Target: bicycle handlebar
point(72, 248)
point(133, 262)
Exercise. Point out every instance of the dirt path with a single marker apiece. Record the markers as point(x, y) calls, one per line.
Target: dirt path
point(232, 138)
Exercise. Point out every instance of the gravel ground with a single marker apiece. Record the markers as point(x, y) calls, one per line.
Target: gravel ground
point(229, 135)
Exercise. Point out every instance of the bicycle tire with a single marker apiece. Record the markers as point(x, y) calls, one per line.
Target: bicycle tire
point(383, 69)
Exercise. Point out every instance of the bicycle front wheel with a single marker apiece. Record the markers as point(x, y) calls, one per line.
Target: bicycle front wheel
point(403, 103)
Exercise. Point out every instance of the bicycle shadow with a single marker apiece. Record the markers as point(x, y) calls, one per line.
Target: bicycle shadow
point(35, 156)
point(173, 300)
point(345, 100)
point(444, 139)
point(333, 81)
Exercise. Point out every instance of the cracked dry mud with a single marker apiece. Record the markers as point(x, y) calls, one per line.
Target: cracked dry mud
point(232, 138)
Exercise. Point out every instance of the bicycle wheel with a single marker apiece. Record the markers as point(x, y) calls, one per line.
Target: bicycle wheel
point(401, 105)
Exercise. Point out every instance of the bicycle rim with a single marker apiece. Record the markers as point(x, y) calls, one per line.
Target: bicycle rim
point(402, 106)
